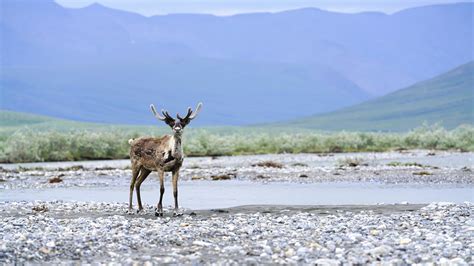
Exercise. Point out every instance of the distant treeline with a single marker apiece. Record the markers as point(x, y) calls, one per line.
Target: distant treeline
point(27, 145)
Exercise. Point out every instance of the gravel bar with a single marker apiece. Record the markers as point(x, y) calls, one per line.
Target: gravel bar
point(94, 232)
point(407, 167)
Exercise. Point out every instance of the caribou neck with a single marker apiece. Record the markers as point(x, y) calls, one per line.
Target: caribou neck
point(176, 147)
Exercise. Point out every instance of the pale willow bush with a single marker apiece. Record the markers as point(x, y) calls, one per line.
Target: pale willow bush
point(29, 146)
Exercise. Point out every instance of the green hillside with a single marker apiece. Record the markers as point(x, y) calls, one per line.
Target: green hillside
point(446, 99)
point(10, 118)
point(11, 122)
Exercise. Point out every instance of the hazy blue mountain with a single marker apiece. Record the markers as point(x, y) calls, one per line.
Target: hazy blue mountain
point(106, 65)
point(447, 99)
point(233, 92)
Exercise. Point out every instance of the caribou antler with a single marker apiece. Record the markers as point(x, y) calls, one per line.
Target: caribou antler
point(190, 115)
point(166, 117)
point(196, 112)
point(187, 115)
point(155, 113)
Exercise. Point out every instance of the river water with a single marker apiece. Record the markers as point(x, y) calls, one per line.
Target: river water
point(222, 194)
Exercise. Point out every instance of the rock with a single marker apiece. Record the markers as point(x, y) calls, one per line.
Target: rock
point(327, 262)
point(51, 244)
point(457, 261)
point(443, 262)
point(56, 179)
point(302, 251)
point(380, 250)
point(404, 241)
point(201, 243)
point(267, 250)
point(354, 236)
point(44, 250)
point(233, 249)
point(374, 232)
point(289, 253)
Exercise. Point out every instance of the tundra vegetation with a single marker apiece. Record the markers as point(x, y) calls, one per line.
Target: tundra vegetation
point(30, 144)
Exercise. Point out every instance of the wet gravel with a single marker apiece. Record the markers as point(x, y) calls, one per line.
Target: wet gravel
point(102, 232)
point(410, 167)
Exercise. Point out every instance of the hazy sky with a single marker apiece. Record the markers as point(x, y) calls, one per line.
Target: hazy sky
point(230, 7)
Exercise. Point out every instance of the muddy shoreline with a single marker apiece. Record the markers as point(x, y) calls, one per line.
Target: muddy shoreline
point(55, 209)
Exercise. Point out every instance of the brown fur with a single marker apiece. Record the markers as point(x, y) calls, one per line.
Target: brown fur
point(149, 154)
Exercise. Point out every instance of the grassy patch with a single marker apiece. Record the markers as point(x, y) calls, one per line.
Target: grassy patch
point(422, 173)
point(399, 164)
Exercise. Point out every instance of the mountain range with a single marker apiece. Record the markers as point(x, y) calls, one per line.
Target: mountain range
point(104, 65)
point(447, 99)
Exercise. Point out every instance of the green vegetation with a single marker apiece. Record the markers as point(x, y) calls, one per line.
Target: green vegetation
point(409, 164)
point(446, 99)
point(90, 142)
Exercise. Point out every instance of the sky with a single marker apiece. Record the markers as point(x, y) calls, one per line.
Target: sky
point(231, 7)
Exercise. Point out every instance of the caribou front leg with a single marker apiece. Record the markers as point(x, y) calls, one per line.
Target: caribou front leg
point(175, 193)
point(159, 208)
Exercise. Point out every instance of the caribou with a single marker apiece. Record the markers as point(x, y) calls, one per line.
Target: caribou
point(162, 154)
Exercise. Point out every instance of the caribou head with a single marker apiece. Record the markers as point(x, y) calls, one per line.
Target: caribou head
point(179, 123)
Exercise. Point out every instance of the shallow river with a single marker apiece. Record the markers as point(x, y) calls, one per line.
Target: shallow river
point(221, 194)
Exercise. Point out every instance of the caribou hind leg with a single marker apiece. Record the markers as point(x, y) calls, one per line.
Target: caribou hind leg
point(143, 175)
point(135, 172)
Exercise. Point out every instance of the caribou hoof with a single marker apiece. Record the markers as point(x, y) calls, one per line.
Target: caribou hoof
point(159, 213)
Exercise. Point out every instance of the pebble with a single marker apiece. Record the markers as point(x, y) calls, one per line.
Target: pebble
point(404, 241)
point(380, 250)
point(327, 262)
